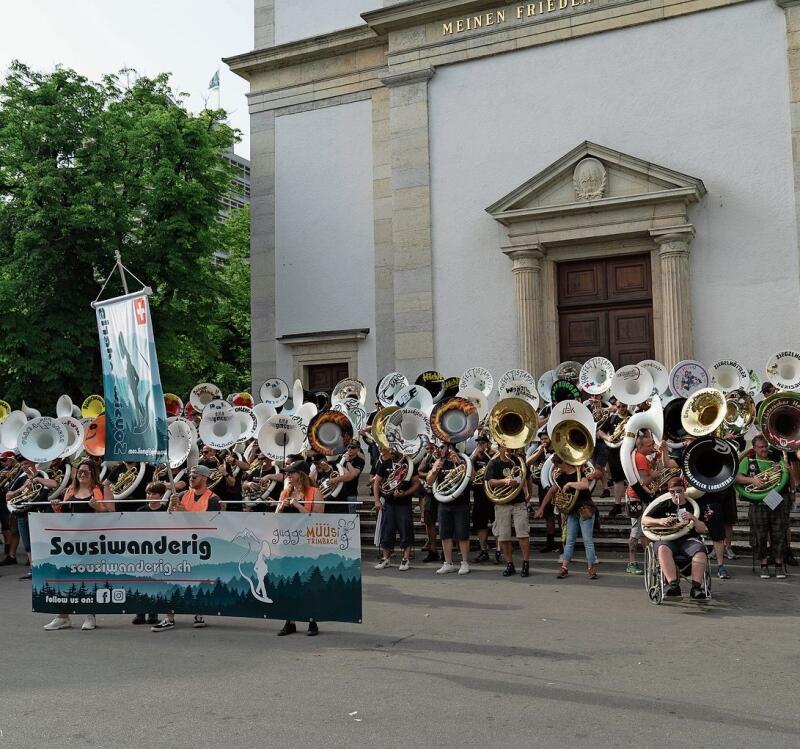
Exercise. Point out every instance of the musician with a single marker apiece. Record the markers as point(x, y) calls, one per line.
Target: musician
point(689, 546)
point(299, 495)
point(208, 457)
point(197, 498)
point(256, 478)
point(767, 526)
point(453, 515)
point(397, 513)
point(15, 480)
point(581, 515)
point(482, 507)
point(499, 474)
point(604, 431)
point(84, 494)
point(353, 464)
point(535, 462)
point(429, 506)
point(230, 488)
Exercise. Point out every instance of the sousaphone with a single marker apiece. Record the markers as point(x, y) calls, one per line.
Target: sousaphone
point(517, 383)
point(219, 430)
point(513, 423)
point(330, 432)
point(544, 385)
point(568, 370)
point(378, 430)
point(42, 439)
point(564, 390)
point(595, 375)
point(783, 370)
point(348, 389)
point(688, 376)
point(728, 375)
point(274, 392)
point(203, 394)
point(479, 378)
point(75, 433)
point(173, 404)
point(93, 406)
point(10, 429)
point(389, 386)
point(572, 432)
point(280, 436)
point(408, 430)
point(710, 464)
point(779, 420)
point(674, 531)
point(454, 420)
point(703, 412)
point(94, 437)
point(415, 396)
point(477, 398)
point(433, 382)
point(632, 385)
point(5, 410)
point(659, 373)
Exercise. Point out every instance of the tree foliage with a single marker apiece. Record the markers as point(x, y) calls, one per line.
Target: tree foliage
point(87, 168)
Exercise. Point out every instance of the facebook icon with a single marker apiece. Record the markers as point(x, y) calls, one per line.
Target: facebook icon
point(103, 595)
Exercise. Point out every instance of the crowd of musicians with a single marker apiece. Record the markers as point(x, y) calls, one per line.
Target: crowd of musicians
point(467, 476)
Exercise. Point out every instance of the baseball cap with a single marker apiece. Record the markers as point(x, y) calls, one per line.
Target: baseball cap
point(299, 466)
point(201, 470)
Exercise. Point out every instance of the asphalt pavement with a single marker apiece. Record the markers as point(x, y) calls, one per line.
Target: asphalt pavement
point(471, 661)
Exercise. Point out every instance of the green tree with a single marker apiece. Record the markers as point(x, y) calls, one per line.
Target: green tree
point(87, 168)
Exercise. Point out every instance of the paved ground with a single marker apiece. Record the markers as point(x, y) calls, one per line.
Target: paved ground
point(455, 661)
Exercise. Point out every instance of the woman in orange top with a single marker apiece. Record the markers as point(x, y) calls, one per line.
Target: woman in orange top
point(299, 495)
point(85, 494)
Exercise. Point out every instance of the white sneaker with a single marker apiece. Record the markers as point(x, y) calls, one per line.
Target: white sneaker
point(445, 568)
point(729, 554)
point(404, 565)
point(89, 623)
point(382, 565)
point(463, 569)
point(58, 623)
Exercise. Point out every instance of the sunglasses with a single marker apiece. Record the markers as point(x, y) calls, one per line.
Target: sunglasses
point(84, 473)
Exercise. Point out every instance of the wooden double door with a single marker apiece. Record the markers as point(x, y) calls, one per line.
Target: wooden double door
point(605, 308)
point(323, 377)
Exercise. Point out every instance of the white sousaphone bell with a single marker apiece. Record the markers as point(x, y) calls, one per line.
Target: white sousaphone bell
point(659, 374)
point(247, 421)
point(703, 411)
point(415, 396)
point(728, 375)
point(783, 370)
point(64, 406)
point(42, 439)
point(408, 431)
point(651, 419)
point(479, 378)
point(632, 385)
point(454, 420)
point(389, 386)
point(544, 385)
point(517, 383)
point(75, 434)
point(596, 375)
point(10, 429)
point(30, 413)
point(262, 412)
point(686, 377)
point(219, 427)
point(280, 436)
point(274, 392)
point(203, 394)
point(180, 443)
point(347, 389)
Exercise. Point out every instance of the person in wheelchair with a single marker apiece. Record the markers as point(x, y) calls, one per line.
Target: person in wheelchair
point(680, 552)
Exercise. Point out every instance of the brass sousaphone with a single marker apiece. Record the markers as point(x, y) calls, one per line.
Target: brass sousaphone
point(512, 424)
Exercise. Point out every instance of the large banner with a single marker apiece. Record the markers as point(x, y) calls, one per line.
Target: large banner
point(273, 566)
point(136, 419)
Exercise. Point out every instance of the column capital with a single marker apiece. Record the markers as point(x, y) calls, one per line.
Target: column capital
point(392, 80)
point(787, 3)
point(525, 258)
point(674, 240)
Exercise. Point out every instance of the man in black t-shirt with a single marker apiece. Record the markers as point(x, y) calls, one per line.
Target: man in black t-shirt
point(482, 508)
point(397, 515)
point(604, 432)
point(689, 546)
point(453, 515)
point(350, 468)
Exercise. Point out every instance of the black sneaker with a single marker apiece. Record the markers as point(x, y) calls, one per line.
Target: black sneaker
point(199, 622)
point(497, 556)
point(614, 511)
point(313, 629)
point(431, 556)
point(8, 560)
point(673, 590)
point(526, 569)
point(509, 570)
point(482, 556)
point(162, 625)
point(288, 629)
point(697, 593)
point(548, 547)
point(139, 619)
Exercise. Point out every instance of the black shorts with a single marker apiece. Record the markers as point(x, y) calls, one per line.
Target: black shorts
point(600, 456)
point(5, 516)
point(454, 521)
point(396, 520)
point(430, 510)
point(482, 511)
point(614, 465)
point(683, 549)
point(712, 514)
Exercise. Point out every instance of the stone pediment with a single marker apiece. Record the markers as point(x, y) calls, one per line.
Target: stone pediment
point(595, 178)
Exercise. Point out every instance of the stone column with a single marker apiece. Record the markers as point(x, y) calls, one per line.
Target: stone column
point(676, 297)
point(411, 220)
point(526, 267)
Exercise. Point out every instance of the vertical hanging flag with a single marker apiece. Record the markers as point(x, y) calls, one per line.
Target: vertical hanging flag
point(136, 419)
point(214, 82)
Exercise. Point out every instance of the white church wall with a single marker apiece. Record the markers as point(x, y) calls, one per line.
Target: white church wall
point(705, 94)
point(324, 252)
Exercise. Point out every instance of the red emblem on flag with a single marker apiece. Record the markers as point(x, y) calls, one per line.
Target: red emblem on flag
point(140, 310)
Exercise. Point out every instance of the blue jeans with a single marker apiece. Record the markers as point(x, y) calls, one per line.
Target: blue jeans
point(587, 528)
point(24, 532)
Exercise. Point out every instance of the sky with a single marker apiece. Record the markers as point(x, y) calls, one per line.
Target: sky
point(187, 38)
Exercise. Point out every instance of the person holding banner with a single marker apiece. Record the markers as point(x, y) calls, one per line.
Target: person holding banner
point(85, 494)
point(197, 498)
point(299, 495)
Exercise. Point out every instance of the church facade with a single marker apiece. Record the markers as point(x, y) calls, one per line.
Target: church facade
point(439, 184)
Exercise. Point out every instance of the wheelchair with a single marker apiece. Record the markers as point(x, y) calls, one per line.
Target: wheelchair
point(655, 583)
